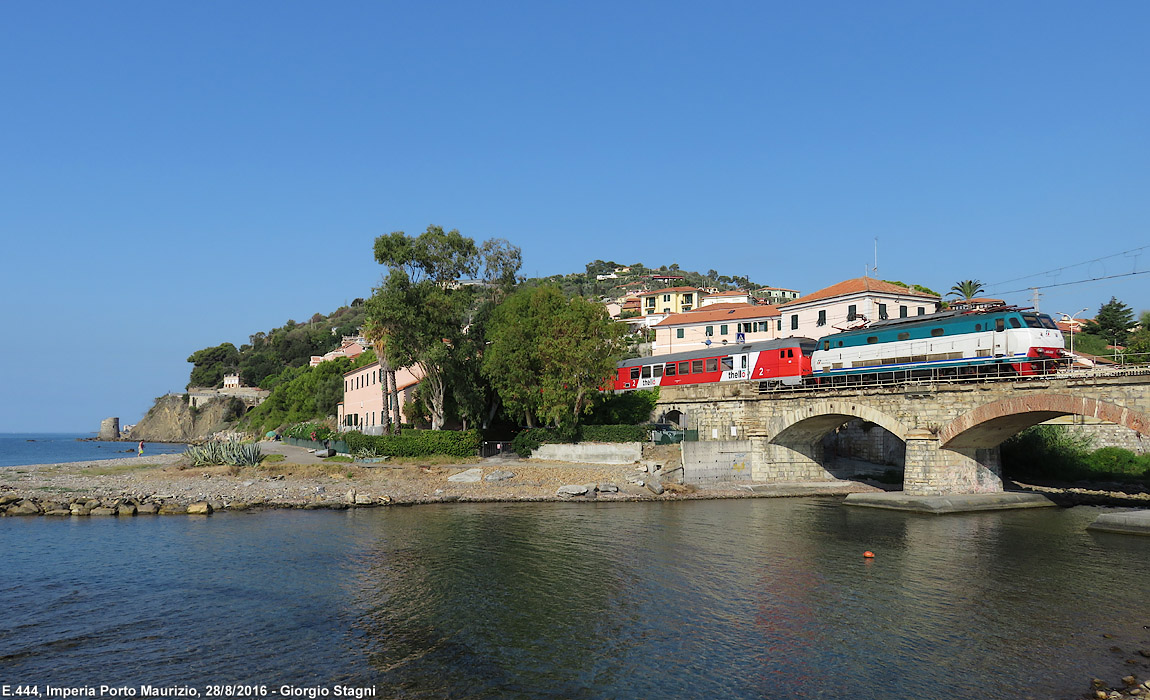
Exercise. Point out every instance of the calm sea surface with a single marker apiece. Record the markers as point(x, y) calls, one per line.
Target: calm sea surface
point(710, 599)
point(49, 448)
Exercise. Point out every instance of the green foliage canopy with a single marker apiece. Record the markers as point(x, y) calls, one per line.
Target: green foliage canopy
point(1112, 322)
point(547, 354)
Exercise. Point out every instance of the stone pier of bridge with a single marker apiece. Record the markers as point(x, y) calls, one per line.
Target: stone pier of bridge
point(951, 431)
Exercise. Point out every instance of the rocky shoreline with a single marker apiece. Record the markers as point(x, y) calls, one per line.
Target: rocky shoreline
point(165, 485)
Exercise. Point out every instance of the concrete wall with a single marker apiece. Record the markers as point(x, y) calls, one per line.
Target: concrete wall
point(591, 453)
point(716, 461)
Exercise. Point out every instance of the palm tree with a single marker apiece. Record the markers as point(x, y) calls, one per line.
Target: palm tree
point(967, 289)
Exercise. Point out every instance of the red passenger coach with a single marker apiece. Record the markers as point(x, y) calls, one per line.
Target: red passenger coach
point(786, 360)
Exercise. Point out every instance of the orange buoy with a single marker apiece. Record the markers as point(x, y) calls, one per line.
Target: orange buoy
point(868, 554)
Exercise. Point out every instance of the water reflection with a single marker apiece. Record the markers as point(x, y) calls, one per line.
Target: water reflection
point(728, 599)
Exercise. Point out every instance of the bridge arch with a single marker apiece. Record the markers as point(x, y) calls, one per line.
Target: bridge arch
point(989, 425)
point(810, 423)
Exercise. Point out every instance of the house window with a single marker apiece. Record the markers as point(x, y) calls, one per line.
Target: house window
point(666, 298)
point(678, 332)
point(723, 329)
point(902, 312)
point(688, 298)
point(779, 325)
point(794, 322)
point(882, 311)
point(852, 312)
point(822, 318)
point(921, 311)
point(710, 330)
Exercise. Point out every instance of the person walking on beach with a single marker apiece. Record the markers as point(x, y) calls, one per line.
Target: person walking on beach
point(140, 452)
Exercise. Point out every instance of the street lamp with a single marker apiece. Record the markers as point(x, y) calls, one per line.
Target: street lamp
point(1070, 320)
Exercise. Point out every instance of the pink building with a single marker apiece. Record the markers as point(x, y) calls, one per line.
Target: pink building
point(362, 407)
point(718, 324)
point(350, 348)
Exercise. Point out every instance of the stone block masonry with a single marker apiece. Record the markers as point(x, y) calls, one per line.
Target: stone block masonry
point(951, 431)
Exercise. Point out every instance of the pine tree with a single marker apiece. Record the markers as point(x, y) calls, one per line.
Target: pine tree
point(1112, 322)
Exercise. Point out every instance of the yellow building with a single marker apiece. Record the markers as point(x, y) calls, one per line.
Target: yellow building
point(672, 300)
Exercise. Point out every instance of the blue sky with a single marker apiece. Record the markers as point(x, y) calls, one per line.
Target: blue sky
point(177, 175)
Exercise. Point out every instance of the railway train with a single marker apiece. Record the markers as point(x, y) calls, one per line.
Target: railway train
point(1003, 341)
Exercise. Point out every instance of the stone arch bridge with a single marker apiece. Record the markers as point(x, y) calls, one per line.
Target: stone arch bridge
point(951, 430)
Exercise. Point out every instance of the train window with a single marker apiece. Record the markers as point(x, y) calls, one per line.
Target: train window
point(670, 369)
point(999, 324)
point(790, 352)
point(904, 336)
point(1048, 322)
point(1015, 323)
point(936, 332)
point(840, 343)
point(646, 371)
point(713, 365)
point(684, 368)
point(728, 363)
point(872, 339)
point(696, 366)
point(744, 362)
point(658, 369)
point(782, 354)
point(826, 345)
point(977, 327)
point(635, 371)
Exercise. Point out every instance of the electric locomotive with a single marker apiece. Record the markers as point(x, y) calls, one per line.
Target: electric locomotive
point(1004, 341)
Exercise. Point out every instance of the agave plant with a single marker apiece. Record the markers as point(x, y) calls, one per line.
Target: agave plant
point(236, 454)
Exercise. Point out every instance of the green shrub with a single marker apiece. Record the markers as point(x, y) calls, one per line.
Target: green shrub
point(1117, 462)
point(416, 443)
point(629, 407)
point(304, 431)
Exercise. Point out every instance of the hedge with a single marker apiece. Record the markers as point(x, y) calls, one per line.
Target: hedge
point(417, 443)
point(527, 441)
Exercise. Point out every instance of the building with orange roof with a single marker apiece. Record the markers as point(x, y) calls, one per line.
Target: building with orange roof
point(851, 303)
point(670, 300)
point(717, 324)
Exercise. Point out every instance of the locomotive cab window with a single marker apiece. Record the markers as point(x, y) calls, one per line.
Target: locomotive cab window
point(1015, 323)
point(999, 324)
point(790, 352)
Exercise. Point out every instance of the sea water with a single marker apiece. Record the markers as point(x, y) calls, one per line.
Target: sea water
point(52, 448)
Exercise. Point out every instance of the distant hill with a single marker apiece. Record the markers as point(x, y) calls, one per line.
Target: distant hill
point(622, 279)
